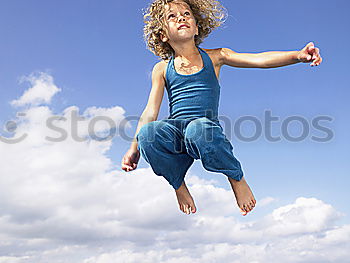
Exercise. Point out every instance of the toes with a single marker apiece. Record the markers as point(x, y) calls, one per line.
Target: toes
point(193, 209)
point(249, 207)
point(182, 208)
point(243, 212)
point(187, 209)
point(244, 209)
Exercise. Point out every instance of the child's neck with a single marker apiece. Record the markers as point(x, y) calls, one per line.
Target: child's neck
point(185, 50)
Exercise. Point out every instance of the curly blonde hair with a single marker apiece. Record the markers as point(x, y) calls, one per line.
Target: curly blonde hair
point(209, 14)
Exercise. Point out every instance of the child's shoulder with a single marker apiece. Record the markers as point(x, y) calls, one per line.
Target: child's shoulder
point(215, 54)
point(159, 68)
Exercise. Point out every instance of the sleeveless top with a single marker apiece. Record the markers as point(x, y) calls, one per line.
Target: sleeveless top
point(195, 95)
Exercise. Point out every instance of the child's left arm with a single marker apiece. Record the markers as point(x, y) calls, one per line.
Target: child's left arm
point(271, 59)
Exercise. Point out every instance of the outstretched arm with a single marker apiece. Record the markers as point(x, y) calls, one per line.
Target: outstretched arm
point(270, 59)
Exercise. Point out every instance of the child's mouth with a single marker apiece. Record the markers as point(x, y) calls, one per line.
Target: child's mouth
point(183, 27)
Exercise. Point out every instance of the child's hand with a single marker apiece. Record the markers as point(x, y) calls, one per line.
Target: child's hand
point(310, 53)
point(130, 160)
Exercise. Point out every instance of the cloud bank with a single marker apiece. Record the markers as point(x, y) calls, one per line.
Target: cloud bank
point(65, 201)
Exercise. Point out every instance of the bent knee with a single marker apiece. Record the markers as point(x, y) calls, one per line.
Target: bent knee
point(149, 132)
point(202, 130)
point(146, 132)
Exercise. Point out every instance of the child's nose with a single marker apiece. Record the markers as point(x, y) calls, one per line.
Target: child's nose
point(182, 18)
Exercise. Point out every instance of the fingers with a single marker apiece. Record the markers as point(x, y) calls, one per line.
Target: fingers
point(127, 166)
point(313, 54)
point(311, 49)
point(310, 44)
point(316, 57)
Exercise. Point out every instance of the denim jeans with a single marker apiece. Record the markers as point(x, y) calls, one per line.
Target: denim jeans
point(170, 146)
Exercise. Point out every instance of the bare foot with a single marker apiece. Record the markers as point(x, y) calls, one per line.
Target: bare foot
point(185, 199)
point(243, 194)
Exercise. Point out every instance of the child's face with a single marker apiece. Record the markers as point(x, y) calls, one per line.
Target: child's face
point(176, 14)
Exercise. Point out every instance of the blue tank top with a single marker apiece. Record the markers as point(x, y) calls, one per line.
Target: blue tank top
point(195, 95)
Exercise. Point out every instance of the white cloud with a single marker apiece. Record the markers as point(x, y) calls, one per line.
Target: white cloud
point(42, 90)
point(305, 215)
point(67, 202)
point(13, 259)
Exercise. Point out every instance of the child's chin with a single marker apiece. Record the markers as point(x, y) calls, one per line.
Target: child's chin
point(185, 36)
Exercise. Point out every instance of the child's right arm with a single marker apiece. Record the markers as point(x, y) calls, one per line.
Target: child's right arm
point(150, 113)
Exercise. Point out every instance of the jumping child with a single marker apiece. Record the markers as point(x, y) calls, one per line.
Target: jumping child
point(173, 31)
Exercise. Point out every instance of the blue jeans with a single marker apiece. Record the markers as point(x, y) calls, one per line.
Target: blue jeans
point(171, 145)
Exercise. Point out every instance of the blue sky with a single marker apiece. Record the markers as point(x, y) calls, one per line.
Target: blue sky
point(95, 52)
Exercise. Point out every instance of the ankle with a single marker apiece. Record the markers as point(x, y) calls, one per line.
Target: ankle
point(234, 181)
point(182, 186)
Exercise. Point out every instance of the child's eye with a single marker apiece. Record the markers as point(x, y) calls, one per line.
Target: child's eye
point(188, 13)
point(170, 16)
